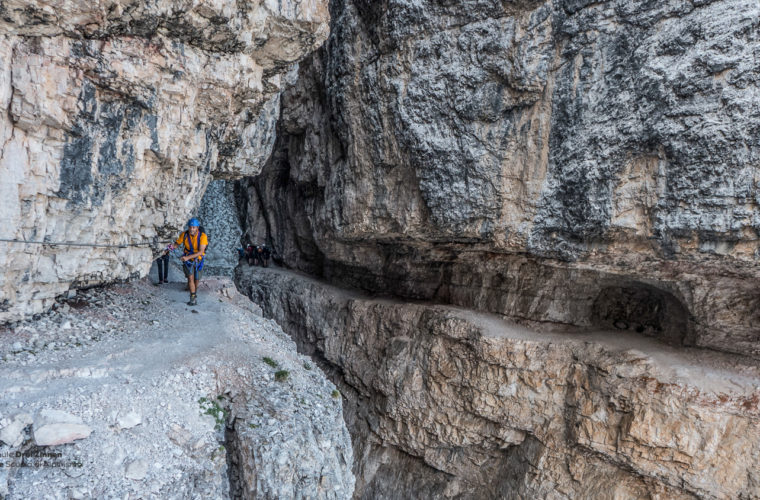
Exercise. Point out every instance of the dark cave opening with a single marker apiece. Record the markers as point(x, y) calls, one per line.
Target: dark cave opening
point(642, 308)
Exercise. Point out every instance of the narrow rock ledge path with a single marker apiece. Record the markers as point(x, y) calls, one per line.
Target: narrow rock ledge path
point(704, 369)
point(474, 405)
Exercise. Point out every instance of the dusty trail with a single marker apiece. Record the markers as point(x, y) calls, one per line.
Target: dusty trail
point(138, 352)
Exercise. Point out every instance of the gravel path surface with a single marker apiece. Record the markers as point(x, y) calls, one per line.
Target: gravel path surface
point(151, 398)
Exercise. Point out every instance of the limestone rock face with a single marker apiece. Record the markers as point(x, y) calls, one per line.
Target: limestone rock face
point(554, 161)
point(55, 427)
point(116, 115)
point(447, 403)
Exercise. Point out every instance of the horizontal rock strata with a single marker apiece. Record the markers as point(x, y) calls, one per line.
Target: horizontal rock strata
point(116, 115)
point(574, 161)
point(446, 402)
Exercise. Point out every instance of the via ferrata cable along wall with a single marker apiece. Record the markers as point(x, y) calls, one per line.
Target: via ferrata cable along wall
point(151, 243)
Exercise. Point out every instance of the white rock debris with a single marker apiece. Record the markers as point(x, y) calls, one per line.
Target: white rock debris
point(186, 408)
point(54, 427)
point(129, 420)
point(136, 469)
point(11, 433)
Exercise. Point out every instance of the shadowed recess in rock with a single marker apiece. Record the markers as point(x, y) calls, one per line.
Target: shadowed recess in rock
point(643, 309)
point(520, 157)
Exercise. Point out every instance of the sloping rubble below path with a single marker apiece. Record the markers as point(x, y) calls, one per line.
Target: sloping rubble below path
point(179, 401)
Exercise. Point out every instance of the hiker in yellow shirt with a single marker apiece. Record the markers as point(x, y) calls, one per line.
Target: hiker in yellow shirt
point(195, 242)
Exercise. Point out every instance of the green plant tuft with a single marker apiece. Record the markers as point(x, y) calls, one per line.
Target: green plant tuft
point(335, 394)
point(210, 407)
point(306, 366)
point(270, 361)
point(281, 375)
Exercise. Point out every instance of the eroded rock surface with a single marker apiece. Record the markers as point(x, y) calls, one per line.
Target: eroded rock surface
point(116, 115)
point(447, 403)
point(531, 158)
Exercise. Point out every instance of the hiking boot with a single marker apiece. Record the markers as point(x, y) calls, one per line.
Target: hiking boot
point(193, 300)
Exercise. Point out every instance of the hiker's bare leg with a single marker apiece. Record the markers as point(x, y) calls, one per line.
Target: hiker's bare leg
point(191, 283)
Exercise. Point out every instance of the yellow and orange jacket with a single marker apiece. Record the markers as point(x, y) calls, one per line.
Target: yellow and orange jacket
point(193, 244)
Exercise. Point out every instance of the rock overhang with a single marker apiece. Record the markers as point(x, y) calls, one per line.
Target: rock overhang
point(116, 118)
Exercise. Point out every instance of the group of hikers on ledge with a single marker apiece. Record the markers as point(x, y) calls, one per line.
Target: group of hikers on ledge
point(193, 243)
point(256, 255)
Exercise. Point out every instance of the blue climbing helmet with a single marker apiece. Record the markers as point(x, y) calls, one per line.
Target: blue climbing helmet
point(194, 223)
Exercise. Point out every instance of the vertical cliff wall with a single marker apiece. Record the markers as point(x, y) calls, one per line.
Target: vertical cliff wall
point(587, 169)
point(576, 162)
point(116, 115)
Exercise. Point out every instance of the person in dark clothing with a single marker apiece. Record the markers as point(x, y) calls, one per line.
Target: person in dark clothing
point(163, 267)
point(264, 254)
point(249, 254)
point(257, 256)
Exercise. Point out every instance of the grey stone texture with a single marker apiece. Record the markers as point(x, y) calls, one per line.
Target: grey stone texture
point(56, 427)
point(548, 160)
point(219, 217)
point(115, 117)
point(179, 400)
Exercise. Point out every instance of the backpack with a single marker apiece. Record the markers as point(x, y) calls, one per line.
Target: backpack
point(208, 240)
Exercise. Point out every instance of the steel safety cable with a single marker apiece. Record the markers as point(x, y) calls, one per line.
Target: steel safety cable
point(90, 245)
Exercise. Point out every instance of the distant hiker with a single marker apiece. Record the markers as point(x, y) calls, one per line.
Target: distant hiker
point(163, 266)
point(195, 242)
point(264, 254)
point(249, 251)
point(256, 256)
